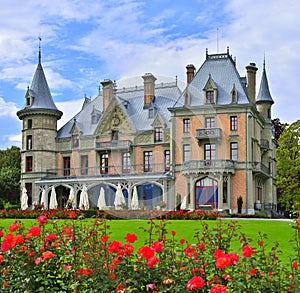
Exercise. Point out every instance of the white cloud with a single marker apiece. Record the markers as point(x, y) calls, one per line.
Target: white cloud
point(69, 109)
point(8, 108)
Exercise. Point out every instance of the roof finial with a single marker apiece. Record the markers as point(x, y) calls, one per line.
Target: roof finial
point(264, 65)
point(40, 40)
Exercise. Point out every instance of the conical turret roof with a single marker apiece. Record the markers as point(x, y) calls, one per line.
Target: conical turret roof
point(264, 94)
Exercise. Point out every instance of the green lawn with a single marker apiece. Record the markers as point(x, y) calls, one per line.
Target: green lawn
point(276, 231)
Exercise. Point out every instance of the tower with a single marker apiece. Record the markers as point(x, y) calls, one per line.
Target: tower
point(39, 117)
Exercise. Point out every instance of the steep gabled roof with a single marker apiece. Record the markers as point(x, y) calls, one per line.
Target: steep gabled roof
point(221, 69)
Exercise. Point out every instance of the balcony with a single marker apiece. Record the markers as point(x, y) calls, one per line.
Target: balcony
point(208, 133)
point(113, 145)
point(208, 166)
point(261, 168)
point(107, 171)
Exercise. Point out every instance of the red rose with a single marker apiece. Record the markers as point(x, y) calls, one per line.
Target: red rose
point(47, 255)
point(157, 246)
point(104, 238)
point(294, 265)
point(13, 227)
point(130, 238)
point(195, 283)
point(247, 251)
point(33, 231)
point(218, 288)
point(173, 233)
point(146, 252)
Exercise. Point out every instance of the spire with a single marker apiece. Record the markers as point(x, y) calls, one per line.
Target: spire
point(264, 94)
point(40, 55)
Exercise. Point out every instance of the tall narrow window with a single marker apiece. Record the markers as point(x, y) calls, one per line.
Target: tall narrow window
point(115, 135)
point(234, 151)
point(233, 96)
point(29, 142)
point(210, 97)
point(186, 152)
point(186, 125)
point(75, 141)
point(147, 161)
point(104, 164)
point(210, 151)
point(158, 134)
point(29, 123)
point(167, 160)
point(67, 166)
point(233, 123)
point(210, 122)
point(84, 165)
point(29, 164)
point(28, 187)
point(126, 162)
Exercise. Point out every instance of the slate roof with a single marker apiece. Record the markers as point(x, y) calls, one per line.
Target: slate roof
point(40, 92)
point(264, 94)
point(131, 101)
point(222, 71)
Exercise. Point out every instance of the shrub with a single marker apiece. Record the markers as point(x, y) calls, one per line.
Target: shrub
point(50, 257)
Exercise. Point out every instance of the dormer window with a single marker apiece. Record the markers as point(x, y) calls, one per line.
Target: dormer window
point(210, 91)
point(186, 99)
point(151, 113)
point(210, 97)
point(28, 101)
point(234, 97)
point(75, 141)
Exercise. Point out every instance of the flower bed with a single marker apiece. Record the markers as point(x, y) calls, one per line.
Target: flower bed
point(51, 257)
point(111, 214)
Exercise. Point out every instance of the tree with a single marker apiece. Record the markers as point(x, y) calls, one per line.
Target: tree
point(10, 171)
point(288, 167)
point(277, 127)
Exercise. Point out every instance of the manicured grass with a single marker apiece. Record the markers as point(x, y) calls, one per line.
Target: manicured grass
point(276, 231)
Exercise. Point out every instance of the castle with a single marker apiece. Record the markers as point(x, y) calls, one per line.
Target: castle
point(205, 145)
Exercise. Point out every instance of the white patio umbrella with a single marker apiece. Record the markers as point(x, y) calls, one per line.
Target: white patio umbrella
point(24, 199)
point(84, 199)
point(72, 197)
point(134, 199)
point(119, 198)
point(101, 204)
point(43, 198)
point(53, 201)
point(183, 205)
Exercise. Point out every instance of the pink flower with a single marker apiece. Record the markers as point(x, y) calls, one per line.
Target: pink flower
point(38, 260)
point(150, 286)
point(42, 219)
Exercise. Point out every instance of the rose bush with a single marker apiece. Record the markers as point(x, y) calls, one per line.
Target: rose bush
point(70, 256)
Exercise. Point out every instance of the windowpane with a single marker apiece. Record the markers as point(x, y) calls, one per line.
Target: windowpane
point(158, 134)
point(234, 151)
point(84, 165)
point(67, 166)
point(186, 152)
point(115, 135)
point(104, 164)
point(75, 141)
point(210, 97)
point(167, 160)
point(29, 164)
point(233, 123)
point(210, 151)
point(210, 122)
point(186, 125)
point(126, 162)
point(29, 123)
point(29, 142)
point(147, 161)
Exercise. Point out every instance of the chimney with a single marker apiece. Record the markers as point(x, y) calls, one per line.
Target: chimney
point(107, 86)
point(149, 88)
point(190, 72)
point(251, 81)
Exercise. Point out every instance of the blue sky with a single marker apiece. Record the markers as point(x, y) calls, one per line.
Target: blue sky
point(84, 42)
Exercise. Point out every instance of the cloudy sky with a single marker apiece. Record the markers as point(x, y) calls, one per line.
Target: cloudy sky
point(84, 42)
